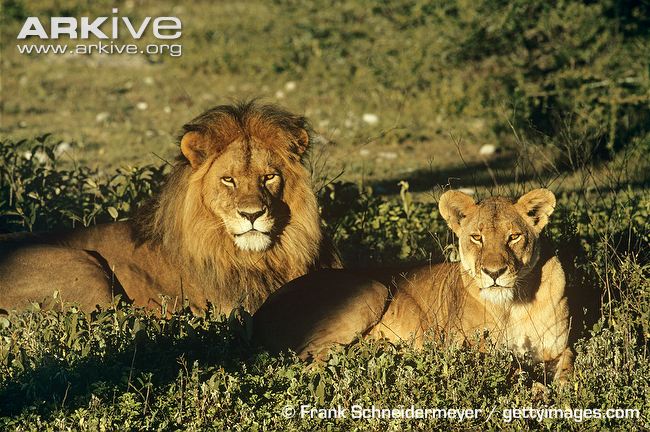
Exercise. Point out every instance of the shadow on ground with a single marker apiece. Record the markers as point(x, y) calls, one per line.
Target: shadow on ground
point(496, 173)
point(502, 170)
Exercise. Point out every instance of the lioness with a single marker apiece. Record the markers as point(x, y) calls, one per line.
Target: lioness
point(236, 219)
point(507, 283)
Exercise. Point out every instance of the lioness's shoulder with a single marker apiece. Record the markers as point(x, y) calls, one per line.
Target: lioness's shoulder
point(553, 275)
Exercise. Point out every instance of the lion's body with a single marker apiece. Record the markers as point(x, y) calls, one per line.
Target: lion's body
point(200, 240)
point(506, 284)
point(27, 268)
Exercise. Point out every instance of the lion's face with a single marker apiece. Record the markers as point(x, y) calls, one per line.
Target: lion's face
point(497, 238)
point(250, 174)
point(243, 187)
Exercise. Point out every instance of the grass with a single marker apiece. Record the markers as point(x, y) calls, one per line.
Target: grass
point(549, 70)
point(562, 91)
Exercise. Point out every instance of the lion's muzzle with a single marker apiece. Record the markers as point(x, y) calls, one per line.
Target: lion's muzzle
point(252, 215)
point(251, 228)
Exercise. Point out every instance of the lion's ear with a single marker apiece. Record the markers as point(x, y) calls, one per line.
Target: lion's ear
point(196, 147)
point(301, 143)
point(454, 206)
point(536, 206)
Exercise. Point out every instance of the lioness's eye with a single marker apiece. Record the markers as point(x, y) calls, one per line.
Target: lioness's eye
point(515, 237)
point(228, 181)
point(269, 177)
point(476, 238)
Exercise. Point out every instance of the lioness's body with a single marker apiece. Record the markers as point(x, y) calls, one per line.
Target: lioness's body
point(507, 283)
point(236, 219)
point(442, 297)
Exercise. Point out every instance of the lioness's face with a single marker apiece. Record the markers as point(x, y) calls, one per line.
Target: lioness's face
point(498, 238)
point(243, 187)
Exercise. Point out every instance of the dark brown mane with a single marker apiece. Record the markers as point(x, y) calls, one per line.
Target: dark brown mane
point(225, 123)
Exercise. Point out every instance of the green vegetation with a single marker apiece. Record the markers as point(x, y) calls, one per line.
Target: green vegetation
point(125, 368)
point(562, 87)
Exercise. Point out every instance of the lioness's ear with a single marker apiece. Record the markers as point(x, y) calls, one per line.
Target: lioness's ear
point(536, 206)
point(196, 147)
point(454, 206)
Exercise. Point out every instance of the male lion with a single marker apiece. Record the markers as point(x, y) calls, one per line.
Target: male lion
point(235, 220)
point(507, 283)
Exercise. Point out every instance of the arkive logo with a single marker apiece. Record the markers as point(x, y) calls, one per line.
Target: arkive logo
point(103, 27)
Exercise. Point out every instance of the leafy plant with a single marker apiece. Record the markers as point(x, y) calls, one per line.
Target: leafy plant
point(38, 191)
point(125, 368)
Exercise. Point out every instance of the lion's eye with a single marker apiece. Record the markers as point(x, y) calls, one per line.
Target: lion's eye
point(269, 177)
point(515, 237)
point(476, 238)
point(228, 181)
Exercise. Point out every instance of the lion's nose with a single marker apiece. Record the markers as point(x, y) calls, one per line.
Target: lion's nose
point(494, 274)
point(252, 216)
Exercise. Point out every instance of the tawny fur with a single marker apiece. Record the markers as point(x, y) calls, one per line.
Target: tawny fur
point(526, 309)
point(181, 245)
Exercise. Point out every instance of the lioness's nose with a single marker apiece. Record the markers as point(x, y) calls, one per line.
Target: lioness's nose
point(252, 216)
point(494, 274)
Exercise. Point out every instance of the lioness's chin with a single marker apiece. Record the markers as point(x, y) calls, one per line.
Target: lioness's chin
point(498, 295)
point(254, 241)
